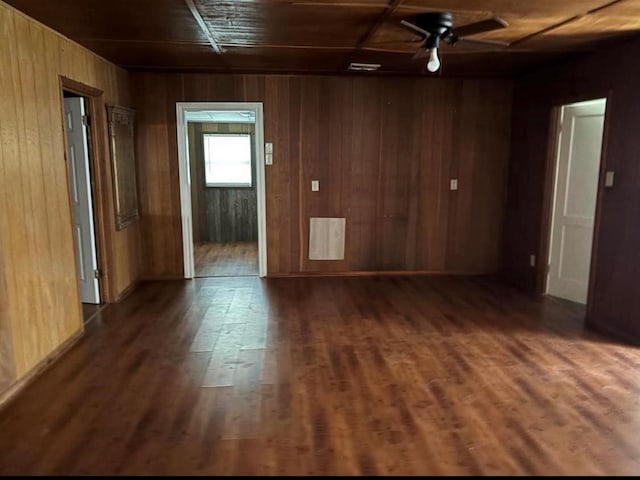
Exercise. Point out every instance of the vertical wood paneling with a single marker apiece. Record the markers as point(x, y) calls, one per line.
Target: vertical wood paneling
point(7, 362)
point(169, 149)
point(39, 289)
point(383, 150)
point(231, 215)
point(362, 173)
point(161, 253)
point(475, 230)
point(614, 302)
point(282, 128)
point(198, 215)
point(435, 160)
point(399, 188)
point(325, 124)
point(220, 215)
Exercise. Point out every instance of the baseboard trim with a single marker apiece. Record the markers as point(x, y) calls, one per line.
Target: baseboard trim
point(16, 387)
point(358, 273)
point(375, 273)
point(128, 291)
point(153, 278)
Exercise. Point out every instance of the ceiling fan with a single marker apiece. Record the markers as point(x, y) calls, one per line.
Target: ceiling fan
point(437, 27)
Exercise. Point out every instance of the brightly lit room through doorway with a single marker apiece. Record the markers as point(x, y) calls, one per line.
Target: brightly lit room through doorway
point(224, 200)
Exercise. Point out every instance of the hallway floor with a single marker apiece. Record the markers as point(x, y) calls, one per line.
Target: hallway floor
point(226, 259)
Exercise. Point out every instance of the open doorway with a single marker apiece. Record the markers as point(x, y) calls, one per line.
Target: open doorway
point(224, 201)
point(579, 139)
point(221, 156)
point(80, 172)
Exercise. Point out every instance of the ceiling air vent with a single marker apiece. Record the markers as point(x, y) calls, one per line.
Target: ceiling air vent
point(364, 67)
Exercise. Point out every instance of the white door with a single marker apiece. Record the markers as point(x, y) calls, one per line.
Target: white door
point(81, 198)
point(576, 188)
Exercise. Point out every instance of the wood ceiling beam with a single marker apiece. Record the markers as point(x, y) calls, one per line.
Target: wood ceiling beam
point(300, 47)
point(203, 26)
point(377, 6)
point(565, 22)
point(392, 7)
point(144, 41)
point(389, 10)
point(339, 4)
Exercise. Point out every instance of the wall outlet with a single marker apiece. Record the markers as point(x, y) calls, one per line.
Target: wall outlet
point(608, 179)
point(453, 184)
point(268, 148)
point(532, 260)
point(315, 185)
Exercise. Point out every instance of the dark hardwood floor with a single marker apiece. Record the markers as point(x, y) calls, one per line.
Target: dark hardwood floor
point(89, 310)
point(226, 259)
point(360, 375)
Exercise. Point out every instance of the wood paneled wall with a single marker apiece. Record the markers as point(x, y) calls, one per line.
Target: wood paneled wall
point(383, 150)
point(226, 214)
point(615, 301)
point(7, 361)
point(196, 169)
point(42, 299)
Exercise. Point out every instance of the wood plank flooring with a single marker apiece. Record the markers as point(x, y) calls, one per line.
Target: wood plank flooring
point(89, 310)
point(226, 259)
point(360, 375)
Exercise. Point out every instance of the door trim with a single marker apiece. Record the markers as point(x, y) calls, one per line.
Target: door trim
point(550, 170)
point(100, 179)
point(185, 186)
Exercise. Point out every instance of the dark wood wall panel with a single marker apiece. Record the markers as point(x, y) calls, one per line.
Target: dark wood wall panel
point(361, 182)
point(155, 135)
point(231, 216)
point(221, 215)
point(614, 302)
point(284, 209)
point(198, 211)
point(383, 150)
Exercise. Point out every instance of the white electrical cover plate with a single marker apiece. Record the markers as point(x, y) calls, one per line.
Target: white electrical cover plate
point(326, 238)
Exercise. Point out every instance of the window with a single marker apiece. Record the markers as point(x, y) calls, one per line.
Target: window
point(227, 160)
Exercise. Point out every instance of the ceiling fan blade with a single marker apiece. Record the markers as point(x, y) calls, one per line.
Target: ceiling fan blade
point(488, 25)
point(415, 28)
point(480, 41)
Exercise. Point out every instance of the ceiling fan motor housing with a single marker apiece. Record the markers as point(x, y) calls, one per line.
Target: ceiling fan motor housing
point(438, 24)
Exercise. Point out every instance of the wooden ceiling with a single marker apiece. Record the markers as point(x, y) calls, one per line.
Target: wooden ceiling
point(324, 36)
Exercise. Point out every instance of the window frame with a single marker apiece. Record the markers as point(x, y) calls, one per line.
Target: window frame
point(204, 160)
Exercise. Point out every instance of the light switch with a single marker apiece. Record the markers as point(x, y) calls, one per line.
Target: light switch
point(315, 185)
point(453, 184)
point(608, 179)
point(268, 148)
point(268, 159)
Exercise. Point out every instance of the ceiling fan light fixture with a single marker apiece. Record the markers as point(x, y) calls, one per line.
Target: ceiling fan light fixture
point(437, 27)
point(434, 62)
point(364, 67)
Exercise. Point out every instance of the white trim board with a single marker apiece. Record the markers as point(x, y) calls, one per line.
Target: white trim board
point(185, 181)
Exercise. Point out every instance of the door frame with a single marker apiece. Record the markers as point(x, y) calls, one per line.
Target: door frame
point(185, 183)
point(100, 181)
point(549, 180)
